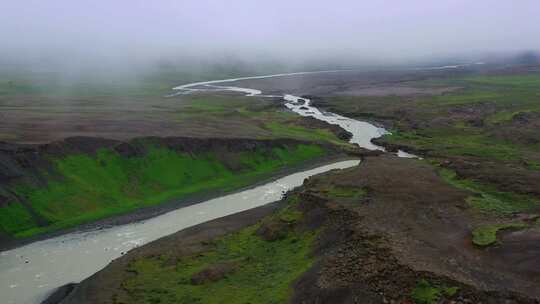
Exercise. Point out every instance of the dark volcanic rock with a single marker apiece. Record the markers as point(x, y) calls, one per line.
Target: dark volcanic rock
point(525, 117)
point(391, 147)
point(59, 294)
point(315, 123)
point(497, 173)
point(3, 201)
point(361, 152)
point(9, 168)
point(28, 161)
point(273, 230)
point(80, 144)
point(128, 150)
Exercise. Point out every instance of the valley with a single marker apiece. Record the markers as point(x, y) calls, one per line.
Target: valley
point(442, 223)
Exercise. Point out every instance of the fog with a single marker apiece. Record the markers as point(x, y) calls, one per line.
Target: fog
point(117, 35)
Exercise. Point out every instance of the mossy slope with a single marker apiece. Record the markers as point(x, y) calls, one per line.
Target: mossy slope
point(84, 187)
point(263, 270)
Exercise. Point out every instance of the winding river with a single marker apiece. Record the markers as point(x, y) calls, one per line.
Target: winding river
point(29, 273)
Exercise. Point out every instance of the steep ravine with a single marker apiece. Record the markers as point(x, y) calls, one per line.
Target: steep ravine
point(224, 176)
point(44, 188)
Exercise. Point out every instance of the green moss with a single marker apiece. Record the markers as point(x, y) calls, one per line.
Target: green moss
point(264, 273)
point(15, 217)
point(450, 291)
point(487, 235)
point(426, 293)
point(290, 213)
point(88, 188)
point(346, 192)
point(487, 198)
point(291, 217)
point(535, 165)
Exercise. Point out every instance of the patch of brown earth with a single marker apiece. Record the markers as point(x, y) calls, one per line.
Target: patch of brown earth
point(428, 224)
point(42, 119)
point(214, 273)
point(521, 249)
point(497, 173)
point(273, 230)
point(523, 128)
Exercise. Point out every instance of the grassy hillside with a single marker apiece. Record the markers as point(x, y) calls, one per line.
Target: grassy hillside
point(85, 187)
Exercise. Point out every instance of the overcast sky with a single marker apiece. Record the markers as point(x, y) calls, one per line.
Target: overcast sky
point(284, 29)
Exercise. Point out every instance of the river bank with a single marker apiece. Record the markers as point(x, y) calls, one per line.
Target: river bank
point(153, 211)
point(30, 272)
point(80, 180)
point(364, 243)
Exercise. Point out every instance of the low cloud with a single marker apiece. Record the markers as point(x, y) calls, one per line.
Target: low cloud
point(124, 34)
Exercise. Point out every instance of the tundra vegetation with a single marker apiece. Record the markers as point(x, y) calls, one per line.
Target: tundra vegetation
point(481, 133)
point(240, 267)
point(407, 219)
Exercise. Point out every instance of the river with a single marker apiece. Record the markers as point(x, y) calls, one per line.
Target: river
point(29, 273)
